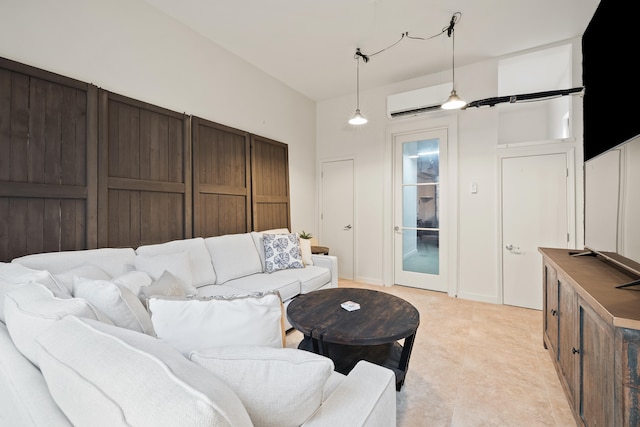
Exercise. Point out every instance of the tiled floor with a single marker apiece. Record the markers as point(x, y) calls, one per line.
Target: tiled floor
point(475, 364)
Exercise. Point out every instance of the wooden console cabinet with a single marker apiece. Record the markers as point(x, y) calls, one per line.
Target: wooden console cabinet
point(592, 332)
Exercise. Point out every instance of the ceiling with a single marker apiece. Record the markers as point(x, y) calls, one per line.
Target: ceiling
point(309, 44)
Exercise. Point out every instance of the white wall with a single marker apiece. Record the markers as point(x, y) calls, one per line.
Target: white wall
point(130, 48)
point(476, 263)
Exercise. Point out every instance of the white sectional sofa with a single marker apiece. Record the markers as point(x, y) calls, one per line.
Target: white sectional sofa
point(65, 362)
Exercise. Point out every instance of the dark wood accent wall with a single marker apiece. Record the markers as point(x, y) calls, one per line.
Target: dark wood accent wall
point(82, 168)
point(270, 190)
point(144, 173)
point(221, 179)
point(47, 161)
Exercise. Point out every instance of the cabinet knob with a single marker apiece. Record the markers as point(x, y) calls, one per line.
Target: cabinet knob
point(554, 312)
point(575, 350)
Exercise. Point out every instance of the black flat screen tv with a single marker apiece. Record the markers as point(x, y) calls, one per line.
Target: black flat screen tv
point(611, 137)
point(610, 79)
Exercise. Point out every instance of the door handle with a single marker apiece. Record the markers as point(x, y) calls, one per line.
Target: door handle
point(347, 227)
point(513, 249)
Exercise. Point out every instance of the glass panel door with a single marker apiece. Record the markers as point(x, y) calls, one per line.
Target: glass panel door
point(419, 205)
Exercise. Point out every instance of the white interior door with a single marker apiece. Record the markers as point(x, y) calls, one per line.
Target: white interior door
point(534, 214)
point(337, 216)
point(420, 210)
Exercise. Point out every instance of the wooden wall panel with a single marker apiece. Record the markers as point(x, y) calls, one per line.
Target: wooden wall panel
point(145, 182)
point(270, 184)
point(85, 168)
point(143, 217)
point(45, 143)
point(222, 195)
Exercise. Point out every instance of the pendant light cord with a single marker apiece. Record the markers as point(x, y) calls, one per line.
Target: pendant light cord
point(453, 56)
point(357, 83)
point(449, 30)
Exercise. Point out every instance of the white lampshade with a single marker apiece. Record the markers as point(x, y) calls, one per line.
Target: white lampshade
point(357, 119)
point(453, 102)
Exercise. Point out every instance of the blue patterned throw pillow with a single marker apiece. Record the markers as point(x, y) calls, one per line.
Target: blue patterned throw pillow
point(282, 251)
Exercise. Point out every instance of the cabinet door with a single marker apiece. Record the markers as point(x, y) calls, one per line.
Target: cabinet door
point(568, 340)
point(551, 309)
point(597, 369)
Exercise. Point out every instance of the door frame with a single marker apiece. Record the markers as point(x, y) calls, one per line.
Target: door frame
point(537, 150)
point(426, 123)
point(353, 158)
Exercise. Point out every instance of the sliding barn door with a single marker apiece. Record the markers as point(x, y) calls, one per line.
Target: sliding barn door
point(221, 179)
point(270, 184)
point(47, 162)
point(144, 173)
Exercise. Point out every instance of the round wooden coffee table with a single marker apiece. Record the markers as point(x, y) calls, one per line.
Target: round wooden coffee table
point(370, 333)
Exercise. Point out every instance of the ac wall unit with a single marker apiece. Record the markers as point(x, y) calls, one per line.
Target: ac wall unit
point(418, 101)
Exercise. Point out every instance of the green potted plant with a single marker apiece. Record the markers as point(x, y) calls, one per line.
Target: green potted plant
point(305, 235)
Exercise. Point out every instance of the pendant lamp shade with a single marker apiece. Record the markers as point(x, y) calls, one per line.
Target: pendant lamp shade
point(358, 118)
point(454, 102)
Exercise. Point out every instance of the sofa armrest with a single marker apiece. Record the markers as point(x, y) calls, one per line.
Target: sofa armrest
point(330, 262)
point(366, 398)
point(24, 396)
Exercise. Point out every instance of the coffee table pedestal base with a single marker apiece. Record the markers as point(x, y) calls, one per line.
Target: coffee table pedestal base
point(345, 357)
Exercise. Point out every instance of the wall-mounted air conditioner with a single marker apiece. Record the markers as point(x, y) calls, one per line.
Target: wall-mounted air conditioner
point(418, 101)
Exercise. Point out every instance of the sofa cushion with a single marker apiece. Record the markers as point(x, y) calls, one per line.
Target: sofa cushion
point(30, 309)
point(117, 302)
point(115, 261)
point(194, 324)
point(218, 290)
point(104, 375)
point(287, 287)
point(178, 264)
point(264, 379)
point(87, 271)
point(311, 277)
point(202, 272)
point(281, 251)
point(233, 256)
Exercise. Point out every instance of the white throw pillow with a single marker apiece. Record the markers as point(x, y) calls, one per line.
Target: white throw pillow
point(281, 252)
point(18, 274)
point(30, 309)
point(86, 271)
point(263, 379)
point(134, 280)
point(117, 302)
point(101, 375)
point(177, 264)
point(194, 324)
point(166, 286)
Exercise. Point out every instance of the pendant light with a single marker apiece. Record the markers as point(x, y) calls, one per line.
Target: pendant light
point(358, 118)
point(454, 102)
